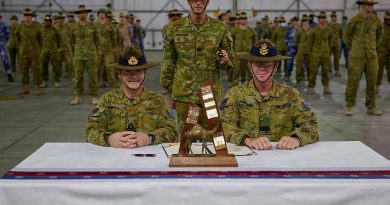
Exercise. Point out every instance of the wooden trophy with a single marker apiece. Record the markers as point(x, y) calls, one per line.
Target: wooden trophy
point(192, 130)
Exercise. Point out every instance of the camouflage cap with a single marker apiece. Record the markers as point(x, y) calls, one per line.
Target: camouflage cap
point(282, 19)
point(131, 16)
point(263, 50)
point(47, 17)
point(322, 14)
point(14, 17)
point(28, 12)
point(69, 14)
point(387, 16)
point(345, 17)
point(122, 14)
point(369, 2)
point(305, 17)
point(294, 19)
point(333, 14)
point(175, 12)
point(131, 59)
point(91, 17)
point(82, 8)
point(276, 19)
point(55, 17)
point(101, 10)
point(243, 15)
point(265, 18)
point(60, 15)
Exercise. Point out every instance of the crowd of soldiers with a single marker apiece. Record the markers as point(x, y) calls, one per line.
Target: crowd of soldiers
point(91, 45)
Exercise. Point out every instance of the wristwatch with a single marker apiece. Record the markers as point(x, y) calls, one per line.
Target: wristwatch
point(152, 138)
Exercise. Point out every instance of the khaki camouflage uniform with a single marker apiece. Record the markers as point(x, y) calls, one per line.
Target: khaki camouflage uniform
point(281, 113)
point(242, 42)
point(115, 112)
point(190, 59)
point(51, 41)
point(107, 42)
point(303, 54)
point(278, 37)
point(384, 55)
point(85, 39)
point(335, 47)
point(362, 38)
point(13, 46)
point(320, 41)
point(30, 39)
point(65, 51)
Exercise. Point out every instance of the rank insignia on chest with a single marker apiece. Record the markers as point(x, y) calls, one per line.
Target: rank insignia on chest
point(132, 61)
point(263, 49)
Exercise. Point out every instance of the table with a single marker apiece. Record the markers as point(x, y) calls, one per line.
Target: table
point(82, 173)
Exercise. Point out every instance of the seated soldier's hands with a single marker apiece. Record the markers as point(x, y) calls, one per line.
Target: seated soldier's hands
point(261, 143)
point(222, 57)
point(136, 139)
point(287, 142)
point(118, 139)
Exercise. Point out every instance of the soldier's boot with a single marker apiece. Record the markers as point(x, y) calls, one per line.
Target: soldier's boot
point(37, 90)
point(327, 91)
point(76, 100)
point(44, 84)
point(311, 91)
point(24, 90)
point(57, 84)
point(10, 78)
point(337, 73)
point(95, 100)
point(349, 111)
point(374, 112)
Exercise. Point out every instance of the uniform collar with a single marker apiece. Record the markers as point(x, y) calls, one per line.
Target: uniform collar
point(188, 21)
point(274, 93)
point(143, 95)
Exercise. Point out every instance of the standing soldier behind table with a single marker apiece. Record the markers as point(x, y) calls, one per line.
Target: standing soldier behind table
point(118, 37)
point(278, 37)
point(173, 15)
point(65, 51)
point(51, 42)
point(335, 49)
point(263, 30)
point(106, 44)
point(30, 37)
point(384, 52)
point(302, 37)
point(320, 42)
point(125, 30)
point(362, 37)
point(70, 22)
point(291, 46)
point(13, 43)
point(196, 47)
point(4, 37)
point(243, 39)
point(343, 47)
point(85, 39)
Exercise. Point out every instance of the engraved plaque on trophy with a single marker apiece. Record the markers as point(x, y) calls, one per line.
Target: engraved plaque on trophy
point(210, 130)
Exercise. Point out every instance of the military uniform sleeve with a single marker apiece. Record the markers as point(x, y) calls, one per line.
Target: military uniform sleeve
point(379, 32)
point(297, 37)
point(166, 131)
point(169, 60)
point(304, 120)
point(96, 127)
point(347, 35)
point(227, 45)
point(229, 118)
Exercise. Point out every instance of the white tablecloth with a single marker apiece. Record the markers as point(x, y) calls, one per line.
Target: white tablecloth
point(87, 157)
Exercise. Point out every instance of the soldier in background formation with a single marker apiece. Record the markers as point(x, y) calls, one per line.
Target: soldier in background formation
point(278, 36)
point(85, 39)
point(263, 30)
point(65, 51)
point(51, 42)
point(4, 37)
point(384, 52)
point(243, 38)
point(343, 47)
point(335, 47)
point(362, 37)
point(320, 42)
point(302, 37)
point(173, 16)
point(29, 36)
point(291, 46)
point(13, 43)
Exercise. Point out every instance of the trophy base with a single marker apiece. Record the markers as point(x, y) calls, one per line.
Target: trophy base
point(199, 160)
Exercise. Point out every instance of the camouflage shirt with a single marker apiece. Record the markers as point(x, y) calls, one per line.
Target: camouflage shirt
point(243, 39)
point(362, 35)
point(13, 41)
point(190, 58)
point(30, 39)
point(281, 113)
point(278, 37)
point(384, 44)
point(51, 39)
point(320, 40)
point(115, 112)
point(302, 40)
point(107, 37)
point(85, 40)
point(336, 31)
point(65, 33)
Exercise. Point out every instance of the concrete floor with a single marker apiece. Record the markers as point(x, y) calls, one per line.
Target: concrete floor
point(29, 122)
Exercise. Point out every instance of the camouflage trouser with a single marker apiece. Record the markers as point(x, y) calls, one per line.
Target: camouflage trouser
point(383, 61)
point(302, 63)
point(356, 68)
point(90, 66)
point(285, 62)
point(67, 57)
point(5, 58)
point(240, 72)
point(47, 56)
point(34, 63)
point(335, 50)
point(13, 52)
point(105, 73)
point(317, 60)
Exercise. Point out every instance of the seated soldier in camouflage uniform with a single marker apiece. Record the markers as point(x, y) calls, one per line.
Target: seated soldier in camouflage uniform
point(261, 111)
point(130, 116)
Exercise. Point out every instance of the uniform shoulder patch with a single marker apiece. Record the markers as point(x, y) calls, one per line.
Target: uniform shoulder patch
point(306, 105)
